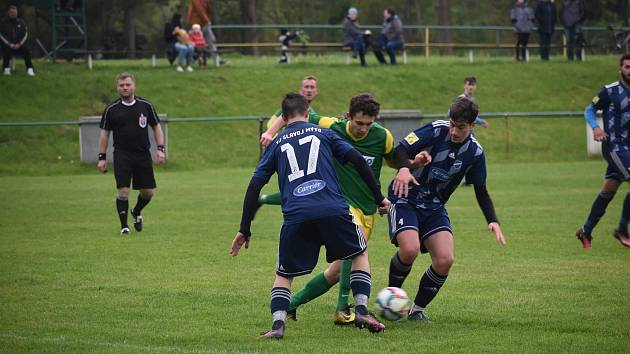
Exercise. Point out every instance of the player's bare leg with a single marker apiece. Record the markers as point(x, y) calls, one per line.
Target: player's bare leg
point(280, 298)
point(361, 283)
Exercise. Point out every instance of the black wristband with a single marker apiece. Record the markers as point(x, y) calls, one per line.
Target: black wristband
point(102, 156)
point(161, 148)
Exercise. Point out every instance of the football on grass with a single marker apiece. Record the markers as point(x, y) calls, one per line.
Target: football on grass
point(392, 303)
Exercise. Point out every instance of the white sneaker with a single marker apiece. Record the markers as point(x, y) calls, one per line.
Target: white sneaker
point(30, 72)
point(189, 69)
point(7, 71)
point(125, 231)
point(180, 69)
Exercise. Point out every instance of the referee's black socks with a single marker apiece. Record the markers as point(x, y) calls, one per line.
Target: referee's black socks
point(140, 204)
point(122, 205)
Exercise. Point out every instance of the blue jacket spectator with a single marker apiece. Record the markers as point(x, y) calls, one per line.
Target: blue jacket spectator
point(391, 37)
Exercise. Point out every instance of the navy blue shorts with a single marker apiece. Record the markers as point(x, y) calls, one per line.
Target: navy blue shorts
point(404, 216)
point(299, 246)
point(618, 165)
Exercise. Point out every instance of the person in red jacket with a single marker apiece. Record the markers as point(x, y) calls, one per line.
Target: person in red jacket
point(200, 44)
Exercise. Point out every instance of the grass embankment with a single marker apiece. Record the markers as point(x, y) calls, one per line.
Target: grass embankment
point(255, 86)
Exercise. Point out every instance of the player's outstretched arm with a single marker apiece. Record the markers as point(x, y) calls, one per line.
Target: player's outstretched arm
point(238, 242)
point(267, 137)
point(487, 207)
point(249, 210)
point(496, 229)
point(103, 139)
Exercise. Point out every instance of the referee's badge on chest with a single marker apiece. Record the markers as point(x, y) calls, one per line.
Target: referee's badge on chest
point(142, 121)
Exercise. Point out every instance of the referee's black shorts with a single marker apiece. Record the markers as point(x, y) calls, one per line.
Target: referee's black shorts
point(136, 166)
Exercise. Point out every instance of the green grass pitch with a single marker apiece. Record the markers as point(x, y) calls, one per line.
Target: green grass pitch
point(69, 283)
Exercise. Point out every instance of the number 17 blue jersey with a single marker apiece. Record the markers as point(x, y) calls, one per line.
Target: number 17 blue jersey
point(302, 155)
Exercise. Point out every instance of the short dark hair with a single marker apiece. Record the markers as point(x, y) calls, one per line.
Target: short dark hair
point(294, 105)
point(365, 103)
point(624, 58)
point(464, 109)
point(12, 7)
point(390, 11)
point(470, 80)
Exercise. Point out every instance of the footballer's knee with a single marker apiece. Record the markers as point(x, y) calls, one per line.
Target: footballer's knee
point(123, 193)
point(332, 274)
point(147, 193)
point(443, 263)
point(408, 253)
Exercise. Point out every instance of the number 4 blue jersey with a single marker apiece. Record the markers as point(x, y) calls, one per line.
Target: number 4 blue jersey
point(450, 163)
point(302, 155)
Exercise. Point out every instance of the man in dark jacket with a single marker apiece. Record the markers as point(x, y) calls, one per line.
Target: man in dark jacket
point(170, 38)
point(353, 36)
point(13, 36)
point(391, 37)
point(546, 17)
point(572, 16)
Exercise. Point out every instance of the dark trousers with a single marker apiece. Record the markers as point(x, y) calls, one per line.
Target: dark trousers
point(521, 46)
point(358, 47)
point(7, 53)
point(545, 45)
point(572, 33)
point(390, 46)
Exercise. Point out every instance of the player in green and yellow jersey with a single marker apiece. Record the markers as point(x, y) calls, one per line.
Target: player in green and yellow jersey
point(375, 143)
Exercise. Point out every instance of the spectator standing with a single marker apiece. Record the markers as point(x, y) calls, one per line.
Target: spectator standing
point(545, 14)
point(391, 37)
point(13, 36)
point(199, 12)
point(572, 16)
point(522, 17)
point(170, 38)
point(352, 35)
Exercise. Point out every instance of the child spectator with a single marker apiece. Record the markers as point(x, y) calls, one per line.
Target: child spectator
point(200, 44)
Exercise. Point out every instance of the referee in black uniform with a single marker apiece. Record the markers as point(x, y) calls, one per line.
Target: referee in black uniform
point(128, 117)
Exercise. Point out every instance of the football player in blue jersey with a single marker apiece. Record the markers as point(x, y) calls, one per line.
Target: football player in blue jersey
point(614, 102)
point(418, 220)
point(314, 210)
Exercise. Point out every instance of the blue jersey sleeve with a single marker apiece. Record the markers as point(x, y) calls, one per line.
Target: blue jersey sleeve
point(476, 175)
point(267, 165)
point(339, 146)
point(422, 137)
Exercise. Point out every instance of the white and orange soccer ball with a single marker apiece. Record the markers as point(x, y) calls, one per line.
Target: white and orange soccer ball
point(392, 303)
